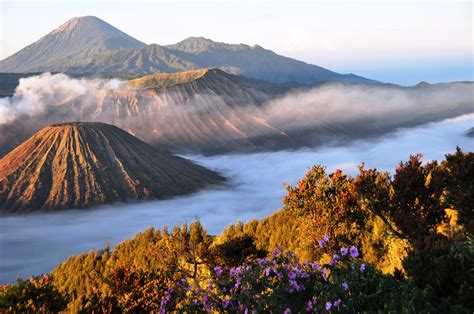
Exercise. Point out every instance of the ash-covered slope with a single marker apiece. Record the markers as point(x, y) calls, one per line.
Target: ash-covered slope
point(77, 39)
point(206, 110)
point(77, 165)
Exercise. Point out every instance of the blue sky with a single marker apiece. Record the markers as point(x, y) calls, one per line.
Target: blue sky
point(401, 42)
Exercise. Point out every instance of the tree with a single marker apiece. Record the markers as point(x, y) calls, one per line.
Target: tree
point(327, 207)
point(235, 251)
point(37, 294)
point(459, 193)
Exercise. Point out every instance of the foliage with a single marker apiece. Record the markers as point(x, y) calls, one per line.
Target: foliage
point(328, 205)
point(448, 269)
point(282, 284)
point(459, 192)
point(235, 251)
point(37, 294)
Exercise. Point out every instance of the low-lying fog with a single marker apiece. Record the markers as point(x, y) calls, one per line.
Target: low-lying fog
point(34, 244)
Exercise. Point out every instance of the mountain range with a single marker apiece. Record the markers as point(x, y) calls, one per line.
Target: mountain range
point(77, 165)
point(88, 45)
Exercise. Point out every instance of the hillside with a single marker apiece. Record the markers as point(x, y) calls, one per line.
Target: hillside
point(77, 165)
point(85, 45)
point(369, 243)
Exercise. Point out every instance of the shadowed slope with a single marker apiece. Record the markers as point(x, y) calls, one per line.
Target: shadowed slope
point(78, 38)
point(76, 165)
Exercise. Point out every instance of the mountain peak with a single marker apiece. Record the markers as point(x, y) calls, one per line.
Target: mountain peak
point(197, 45)
point(198, 39)
point(92, 27)
point(78, 38)
point(88, 20)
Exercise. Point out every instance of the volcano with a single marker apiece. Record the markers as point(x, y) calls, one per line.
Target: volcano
point(79, 164)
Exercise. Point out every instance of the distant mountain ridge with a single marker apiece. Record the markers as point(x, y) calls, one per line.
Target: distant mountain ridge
point(89, 45)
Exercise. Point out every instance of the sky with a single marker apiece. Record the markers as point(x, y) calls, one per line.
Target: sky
point(401, 42)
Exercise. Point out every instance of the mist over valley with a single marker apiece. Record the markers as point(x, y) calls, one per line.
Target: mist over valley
point(34, 243)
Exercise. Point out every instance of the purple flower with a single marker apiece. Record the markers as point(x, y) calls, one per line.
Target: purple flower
point(315, 265)
point(267, 271)
point(362, 268)
point(218, 270)
point(335, 258)
point(337, 302)
point(345, 286)
point(323, 241)
point(237, 283)
point(324, 274)
point(309, 306)
point(277, 252)
point(294, 285)
point(354, 251)
point(328, 306)
point(292, 275)
point(344, 251)
point(287, 311)
point(225, 303)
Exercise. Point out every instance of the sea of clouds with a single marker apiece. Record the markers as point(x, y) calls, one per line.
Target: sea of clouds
point(34, 244)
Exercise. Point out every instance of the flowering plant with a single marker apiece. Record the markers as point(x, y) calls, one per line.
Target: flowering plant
point(283, 284)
